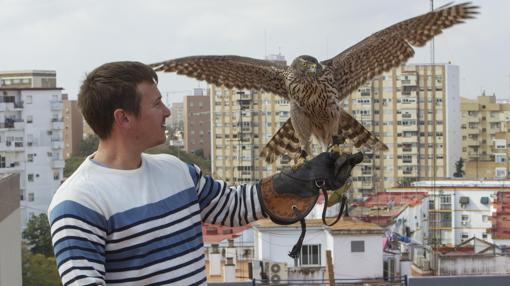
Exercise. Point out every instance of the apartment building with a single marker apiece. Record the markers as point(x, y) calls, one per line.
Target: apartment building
point(176, 119)
point(485, 138)
point(73, 127)
point(31, 136)
point(197, 124)
point(459, 209)
point(414, 110)
point(242, 123)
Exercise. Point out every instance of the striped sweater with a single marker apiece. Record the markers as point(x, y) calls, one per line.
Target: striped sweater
point(142, 226)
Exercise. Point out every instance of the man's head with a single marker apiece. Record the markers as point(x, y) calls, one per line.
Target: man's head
point(110, 87)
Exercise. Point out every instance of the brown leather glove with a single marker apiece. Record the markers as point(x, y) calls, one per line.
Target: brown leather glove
point(291, 194)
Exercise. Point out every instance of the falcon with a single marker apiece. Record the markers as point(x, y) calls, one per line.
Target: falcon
point(315, 90)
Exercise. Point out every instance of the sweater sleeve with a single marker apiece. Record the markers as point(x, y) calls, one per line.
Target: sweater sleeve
point(78, 236)
point(225, 205)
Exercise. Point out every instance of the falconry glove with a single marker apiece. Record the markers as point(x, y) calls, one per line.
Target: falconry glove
point(290, 195)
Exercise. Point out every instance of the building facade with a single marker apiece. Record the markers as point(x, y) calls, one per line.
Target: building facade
point(459, 209)
point(10, 236)
point(197, 125)
point(73, 128)
point(176, 119)
point(243, 121)
point(32, 140)
point(414, 110)
point(485, 137)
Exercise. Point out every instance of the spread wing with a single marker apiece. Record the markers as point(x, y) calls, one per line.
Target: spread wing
point(231, 72)
point(391, 47)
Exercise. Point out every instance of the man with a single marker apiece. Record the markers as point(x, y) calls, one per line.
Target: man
point(129, 218)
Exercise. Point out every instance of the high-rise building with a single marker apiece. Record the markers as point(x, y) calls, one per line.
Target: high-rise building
point(197, 125)
point(176, 119)
point(485, 138)
point(73, 128)
point(242, 123)
point(415, 111)
point(31, 137)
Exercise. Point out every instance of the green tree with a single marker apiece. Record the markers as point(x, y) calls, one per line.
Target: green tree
point(38, 270)
point(38, 235)
point(459, 166)
point(72, 164)
point(89, 145)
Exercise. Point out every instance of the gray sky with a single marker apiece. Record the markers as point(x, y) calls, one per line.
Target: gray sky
point(73, 37)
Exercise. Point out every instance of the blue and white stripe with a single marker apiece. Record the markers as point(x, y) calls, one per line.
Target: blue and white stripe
point(154, 240)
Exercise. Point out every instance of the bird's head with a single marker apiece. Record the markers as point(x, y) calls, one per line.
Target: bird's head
point(306, 65)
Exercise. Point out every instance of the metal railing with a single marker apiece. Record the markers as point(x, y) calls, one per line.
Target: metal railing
point(389, 281)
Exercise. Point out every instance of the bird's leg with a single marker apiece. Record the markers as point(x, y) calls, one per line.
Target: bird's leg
point(335, 146)
point(336, 195)
point(299, 161)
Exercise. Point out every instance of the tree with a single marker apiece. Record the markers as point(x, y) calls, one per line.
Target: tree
point(37, 269)
point(88, 145)
point(459, 173)
point(38, 235)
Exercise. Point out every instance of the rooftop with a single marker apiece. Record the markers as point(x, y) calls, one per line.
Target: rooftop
point(462, 183)
point(217, 234)
point(346, 225)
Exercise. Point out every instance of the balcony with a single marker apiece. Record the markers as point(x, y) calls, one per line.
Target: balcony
point(57, 125)
point(58, 163)
point(57, 144)
point(57, 106)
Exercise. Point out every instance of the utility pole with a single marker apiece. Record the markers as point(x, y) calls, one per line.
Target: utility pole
point(331, 273)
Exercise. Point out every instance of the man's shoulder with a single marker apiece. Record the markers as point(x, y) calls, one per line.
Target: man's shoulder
point(163, 159)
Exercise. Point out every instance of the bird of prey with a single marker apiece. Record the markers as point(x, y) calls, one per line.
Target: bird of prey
point(316, 89)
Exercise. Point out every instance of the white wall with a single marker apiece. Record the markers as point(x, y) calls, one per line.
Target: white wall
point(276, 243)
point(365, 264)
point(453, 118)
point(47, 152)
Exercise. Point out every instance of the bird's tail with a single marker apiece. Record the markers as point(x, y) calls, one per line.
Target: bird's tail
point(283, 142)
point(352, 129)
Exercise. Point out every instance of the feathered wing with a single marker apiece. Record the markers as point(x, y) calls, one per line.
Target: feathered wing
point(231, 72)
point(352, 129)
point(284, 141)
point(391, 47)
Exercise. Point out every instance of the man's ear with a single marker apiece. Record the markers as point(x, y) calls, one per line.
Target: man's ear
point(121, 118)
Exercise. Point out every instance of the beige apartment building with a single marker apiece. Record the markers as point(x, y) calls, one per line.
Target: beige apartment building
point(414, 109)
point(73, 128)
point(197, 124)
point(485, 138)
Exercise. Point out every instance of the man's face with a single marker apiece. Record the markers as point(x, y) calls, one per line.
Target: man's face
point(150, 124)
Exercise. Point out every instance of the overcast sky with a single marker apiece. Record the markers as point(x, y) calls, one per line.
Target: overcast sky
point(73, 37)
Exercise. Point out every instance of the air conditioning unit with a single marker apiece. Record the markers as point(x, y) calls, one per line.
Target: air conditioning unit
point(278, 273)
point(464, 223)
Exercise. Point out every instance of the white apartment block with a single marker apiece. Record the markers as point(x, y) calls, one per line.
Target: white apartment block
point(458, 209)
point(31, 138)
point(415, 111)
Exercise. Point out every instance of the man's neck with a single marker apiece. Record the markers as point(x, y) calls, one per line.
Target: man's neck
point(117, 155)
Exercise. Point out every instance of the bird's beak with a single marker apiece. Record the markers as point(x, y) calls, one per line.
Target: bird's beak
point(313, 68)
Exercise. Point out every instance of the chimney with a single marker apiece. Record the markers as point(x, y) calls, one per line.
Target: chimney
point(229, 270)
point(214, 260)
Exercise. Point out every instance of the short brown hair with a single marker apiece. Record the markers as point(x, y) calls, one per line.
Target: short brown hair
point(109, 87)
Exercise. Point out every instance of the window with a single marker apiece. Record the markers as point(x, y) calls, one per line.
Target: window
point(30, 119)
point(310, 255)
point(484, 235)
point(500, 172)
point(28, 99)
point(56, 175)
point(2, 161)
point(30, 197)
point(485, 218)
point(357, 246)
point(30, 157)
point(30, 177)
